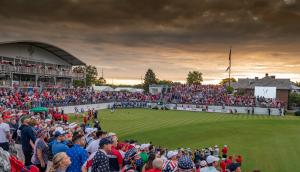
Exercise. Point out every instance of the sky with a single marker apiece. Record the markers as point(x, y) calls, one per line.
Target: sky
point(172, 37)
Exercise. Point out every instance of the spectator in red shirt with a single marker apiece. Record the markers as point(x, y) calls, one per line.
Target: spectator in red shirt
point(65, 116)
point(224, 151)
point(115, 157)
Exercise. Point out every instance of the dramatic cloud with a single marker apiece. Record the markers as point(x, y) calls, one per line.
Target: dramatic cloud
point(125, 37)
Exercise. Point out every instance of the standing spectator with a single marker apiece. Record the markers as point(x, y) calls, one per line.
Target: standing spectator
point(100, 160)
point(115, 157)
point(144, 152)
point(185, 164)
point(212, 163)
point(130, 159)
point(224, 151)
point(13, 128)
point(4, 134)
point(77, 154)
point(95, 114)
point(27, 139)
point(40, 154)
point(94, 145)
point(60, 143)
point(171, 164)
point(61, 162)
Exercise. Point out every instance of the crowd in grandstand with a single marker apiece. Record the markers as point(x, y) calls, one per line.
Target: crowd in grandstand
point(181, 94)
point(49, 144)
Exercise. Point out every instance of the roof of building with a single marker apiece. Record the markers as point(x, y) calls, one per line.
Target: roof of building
point(267, 81)
point(52, 49)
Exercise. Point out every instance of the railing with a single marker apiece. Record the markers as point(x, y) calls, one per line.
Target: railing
point(40, 71)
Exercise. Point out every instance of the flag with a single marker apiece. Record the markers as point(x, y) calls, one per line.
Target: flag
point(229, 67)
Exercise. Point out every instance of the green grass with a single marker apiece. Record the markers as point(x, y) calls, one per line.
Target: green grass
point(271, 144)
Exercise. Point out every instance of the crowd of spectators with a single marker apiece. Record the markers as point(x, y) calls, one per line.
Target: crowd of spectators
point(215, 95)
point(56, 146)
point(180, 94)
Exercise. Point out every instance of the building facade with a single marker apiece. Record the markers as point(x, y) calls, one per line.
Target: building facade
point(37, 64)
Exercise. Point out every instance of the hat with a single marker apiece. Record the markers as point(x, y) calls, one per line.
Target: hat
point(130, 154)
point(185, 163)
point(144, 146)
point(170, 154)
point(203, 163)
point(233, 166)
point(225, 145)
point(59, 133)
point(210, 159)
point(89, 131)
point(137, 146)
point(23, 118)
point(105, 141)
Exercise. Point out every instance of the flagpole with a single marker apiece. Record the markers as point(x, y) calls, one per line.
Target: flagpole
point(230, 67)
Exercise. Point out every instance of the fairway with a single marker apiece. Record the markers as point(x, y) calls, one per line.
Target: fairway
point(270, 144)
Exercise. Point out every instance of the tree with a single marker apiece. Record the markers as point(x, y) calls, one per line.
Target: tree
point(150, 78)
point(297, 84)
point(294, 99)
point(91, 74)
point(194, 77)
point(165, 82)
point(100, 81)
point(226, 80)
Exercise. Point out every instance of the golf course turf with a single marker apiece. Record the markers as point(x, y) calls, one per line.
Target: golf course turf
point(270, 144)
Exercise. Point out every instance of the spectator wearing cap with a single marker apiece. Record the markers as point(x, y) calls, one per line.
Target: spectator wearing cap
point(144, 152)
point(224, 151)
point(40, 153)
point(171, 164)
point(185, 164)
point(90, 135)
point(114, 156)
point(27, 139)
point(157, 165)
point(4, 134)
point(223, 165)
point(212, 163)
point(60, 143)
point(130, 158)
point(77, 154)
point(203, 164)
point(100, 160)
point(94, 145)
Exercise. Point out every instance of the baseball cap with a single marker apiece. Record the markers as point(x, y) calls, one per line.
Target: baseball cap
point(59, 133)
point(203, 163)
point(89, 131)
point(210, 159)
point(170, 154)
point(144, 146)
point(185, 163)
point(105, 141)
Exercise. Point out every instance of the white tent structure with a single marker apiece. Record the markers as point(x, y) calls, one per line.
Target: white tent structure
point(129, 89)
point(102, 88)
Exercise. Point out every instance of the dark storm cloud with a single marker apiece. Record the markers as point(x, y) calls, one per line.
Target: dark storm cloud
point(173, 20)
point(170, 36)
